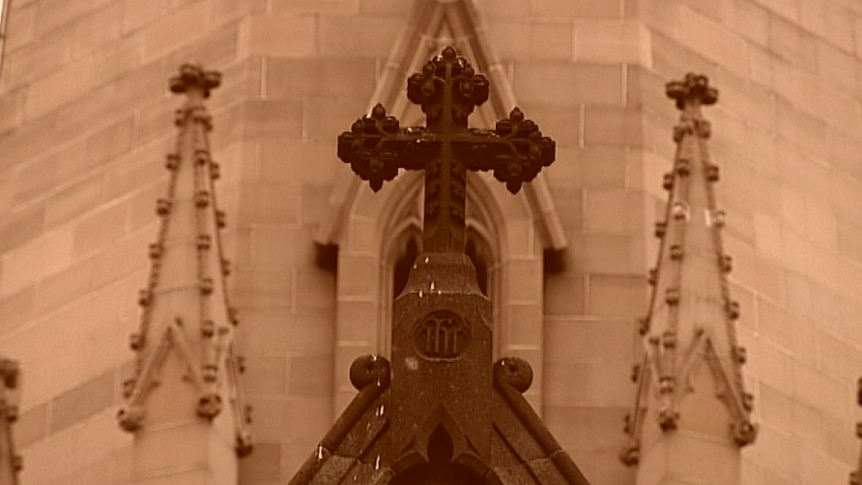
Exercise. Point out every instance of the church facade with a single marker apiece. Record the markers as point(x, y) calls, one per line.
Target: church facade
point(316, 258)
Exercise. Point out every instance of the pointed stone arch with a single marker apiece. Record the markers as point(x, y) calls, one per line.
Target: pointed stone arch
point(366, 227)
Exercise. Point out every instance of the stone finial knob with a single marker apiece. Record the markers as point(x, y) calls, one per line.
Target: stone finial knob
point(744, 432)
point(630, 453)
point(194, 76)
point(131, 417)
point(694, 87)
point(243, 444)
point(515, 372)
point(9, 371)
point(469, 89)
point(209, 405)
point(368, 370)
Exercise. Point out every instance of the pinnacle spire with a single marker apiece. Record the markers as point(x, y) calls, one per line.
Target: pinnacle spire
point(856, 475)
point(10, 462)
point(691, 322)
point(185, 307)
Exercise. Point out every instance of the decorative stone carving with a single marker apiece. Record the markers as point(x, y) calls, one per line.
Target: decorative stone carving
point(694, 322)
point(441, 412)
point(10, 462)
point(201, 338)
point(448, 89)
point(368, 370)
point(442, 335)
point(856, 475)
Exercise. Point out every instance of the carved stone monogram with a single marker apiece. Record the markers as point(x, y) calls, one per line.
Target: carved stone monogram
point(441, 335)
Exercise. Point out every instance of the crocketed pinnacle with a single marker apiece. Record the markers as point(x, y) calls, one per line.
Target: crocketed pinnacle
point(692, 318)
point(185, 308)
point(856, 475)
point(10, 462)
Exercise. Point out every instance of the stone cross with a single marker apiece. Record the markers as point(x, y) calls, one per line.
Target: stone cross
point(440, 411)
point(447, 89)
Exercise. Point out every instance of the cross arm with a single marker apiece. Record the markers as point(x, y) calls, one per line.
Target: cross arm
point(515, 150)
point(376, 147)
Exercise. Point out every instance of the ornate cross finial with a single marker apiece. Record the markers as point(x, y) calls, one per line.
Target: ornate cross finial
point(447, 89)
point(441, 328)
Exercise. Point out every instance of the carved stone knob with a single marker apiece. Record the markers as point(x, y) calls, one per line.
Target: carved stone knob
point(368, 370)
point(129, 387)
point(643, 325)
point(747, 401)
point(669, 339)
point(207, 328)
point(11, 413)
point(740, 355)
point(631, 453)
point(136, 341)
point(209, 372)
point(667, 181)
point(668, 419)
point(209, 405)
point(660, 229)
point(666, 384)
point(672, 296)
point(515, 372)
point(732, 309)
point(243, 445)
point(130, 417)
point(744, 432)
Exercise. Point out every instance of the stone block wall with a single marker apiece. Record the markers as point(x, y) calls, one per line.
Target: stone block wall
point(85, 119)
point(570, 64)
point(785, 124)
